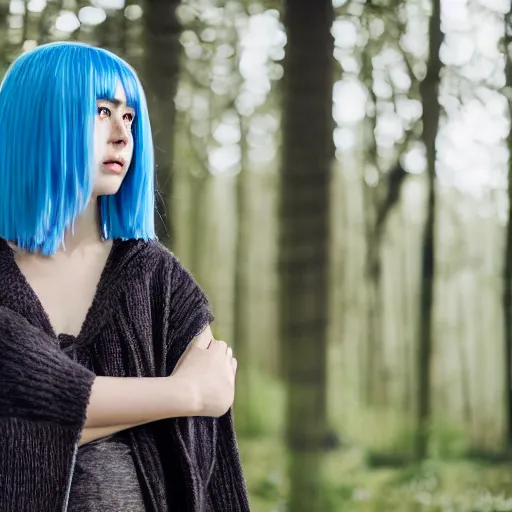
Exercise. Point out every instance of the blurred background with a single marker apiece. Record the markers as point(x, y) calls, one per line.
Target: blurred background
point(337, 177)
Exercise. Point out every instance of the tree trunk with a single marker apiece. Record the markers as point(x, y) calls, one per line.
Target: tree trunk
point(110, 33)
point(507, 271)
point(308, 153)
point(107, 35)
point(161, 64)
point(133, 34)
point(380, 199)
point(247, 416)
point(4, 31)
point(376, 378)
point(431, 111)
point(379, 205)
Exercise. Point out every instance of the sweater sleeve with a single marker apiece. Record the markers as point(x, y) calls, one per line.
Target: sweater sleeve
point(43, 402)
point(207, 447)
point(187, 311)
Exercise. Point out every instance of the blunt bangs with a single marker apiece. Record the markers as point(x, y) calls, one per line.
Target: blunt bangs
point(47, 112)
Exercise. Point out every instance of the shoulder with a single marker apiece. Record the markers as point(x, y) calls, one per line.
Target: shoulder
point(162, 260)
point(152, 260)
point(146, 256)
point(178, 294)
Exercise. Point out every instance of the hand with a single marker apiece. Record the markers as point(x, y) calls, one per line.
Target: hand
point(208, 369)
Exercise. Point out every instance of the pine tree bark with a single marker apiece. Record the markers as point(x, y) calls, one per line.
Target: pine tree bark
point(507, 269)
point(431, 111)
point(308, 153)
point(161, 75)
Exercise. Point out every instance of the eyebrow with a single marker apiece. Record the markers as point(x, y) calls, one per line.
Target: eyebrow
point(116, 102)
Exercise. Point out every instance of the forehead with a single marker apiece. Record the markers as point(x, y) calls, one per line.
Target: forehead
point(120, 95)
point(119, 98)
point(112, 80)
point(117, 95)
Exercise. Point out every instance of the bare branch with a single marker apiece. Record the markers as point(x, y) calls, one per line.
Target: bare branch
point(393, 182)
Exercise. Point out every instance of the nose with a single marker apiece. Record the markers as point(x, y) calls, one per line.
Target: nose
point(120, 141)
point(119, 133)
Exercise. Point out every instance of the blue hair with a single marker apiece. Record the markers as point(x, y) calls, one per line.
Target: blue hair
point(47, 110)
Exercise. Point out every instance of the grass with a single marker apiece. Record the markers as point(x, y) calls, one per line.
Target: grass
point(455, 485)
point(376, 478)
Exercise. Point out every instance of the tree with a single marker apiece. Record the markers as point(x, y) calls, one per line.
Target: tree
point(429, 88)
point(4, 31)
point(307, 152)
point(507, 270)
point(246, 413)
point(161, 74)
point(382, 195)
point(111, 33)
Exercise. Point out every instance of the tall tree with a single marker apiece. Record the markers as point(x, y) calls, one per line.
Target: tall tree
point(383, 194)
point(307, 152)
point(507, 270)
point(4, 33)
point(246, 413)
point(161, 75)
point(429, 90)
point(111, 33)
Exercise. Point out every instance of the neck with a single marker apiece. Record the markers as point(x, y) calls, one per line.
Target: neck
point(86, 229)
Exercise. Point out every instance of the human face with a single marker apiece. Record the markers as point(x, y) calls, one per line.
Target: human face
point(113, 143)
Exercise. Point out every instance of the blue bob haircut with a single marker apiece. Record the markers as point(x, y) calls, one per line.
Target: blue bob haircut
point(47, 111)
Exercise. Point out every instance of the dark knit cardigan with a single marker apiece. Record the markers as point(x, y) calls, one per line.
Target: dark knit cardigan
point(146, 310)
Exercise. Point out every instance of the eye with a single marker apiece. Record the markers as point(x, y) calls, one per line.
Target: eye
point(129, 117)
point(103, 112)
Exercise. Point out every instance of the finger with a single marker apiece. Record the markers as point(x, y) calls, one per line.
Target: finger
point(230, 352)
point(234, 364)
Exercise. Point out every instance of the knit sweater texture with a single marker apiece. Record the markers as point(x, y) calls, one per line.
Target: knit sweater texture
point(146, 311)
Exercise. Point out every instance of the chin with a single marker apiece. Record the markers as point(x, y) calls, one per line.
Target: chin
point(107, 186)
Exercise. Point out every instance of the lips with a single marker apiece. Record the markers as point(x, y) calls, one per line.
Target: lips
point(115, 165)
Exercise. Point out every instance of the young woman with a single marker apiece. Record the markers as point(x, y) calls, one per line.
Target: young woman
point(114, 396)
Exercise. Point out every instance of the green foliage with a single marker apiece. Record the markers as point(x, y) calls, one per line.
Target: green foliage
point(449, 441)
point(270, 486)
point(263, 414)
point(432, 486)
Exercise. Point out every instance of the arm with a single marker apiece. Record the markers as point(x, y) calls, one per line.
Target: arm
point(43, 401)
point(206, 448)
point(120, 403)
point(138, 400)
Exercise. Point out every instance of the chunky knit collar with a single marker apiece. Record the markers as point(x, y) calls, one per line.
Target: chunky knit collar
point(125, 261)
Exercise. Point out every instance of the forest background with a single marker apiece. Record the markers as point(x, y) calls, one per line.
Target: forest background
point(337, 177)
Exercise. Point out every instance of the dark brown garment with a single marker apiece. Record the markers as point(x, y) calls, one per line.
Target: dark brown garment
point(146, 311)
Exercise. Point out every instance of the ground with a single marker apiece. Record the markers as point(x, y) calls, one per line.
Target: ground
point(455, 485)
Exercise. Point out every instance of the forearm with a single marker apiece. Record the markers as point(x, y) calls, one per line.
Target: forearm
point(92, 434)
point(123, 402)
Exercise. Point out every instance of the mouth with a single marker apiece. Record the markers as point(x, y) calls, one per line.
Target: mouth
point(115, 165)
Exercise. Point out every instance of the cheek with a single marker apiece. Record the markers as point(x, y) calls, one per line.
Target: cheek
point(100, 137)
